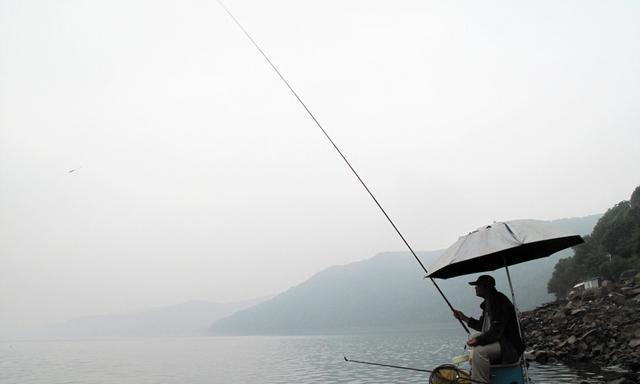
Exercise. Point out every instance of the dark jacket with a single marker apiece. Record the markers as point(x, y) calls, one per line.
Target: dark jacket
point(503, 327)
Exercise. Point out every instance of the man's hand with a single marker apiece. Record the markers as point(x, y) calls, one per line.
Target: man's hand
point(472, 342)
point(460, 316)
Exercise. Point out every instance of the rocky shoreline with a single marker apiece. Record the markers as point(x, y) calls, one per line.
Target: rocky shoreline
point(600, 327)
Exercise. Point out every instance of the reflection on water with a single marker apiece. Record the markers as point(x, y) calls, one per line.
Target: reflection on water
point(560, 373)
point(268, 360)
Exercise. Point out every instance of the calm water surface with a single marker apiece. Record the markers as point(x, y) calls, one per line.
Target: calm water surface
point(267, 360)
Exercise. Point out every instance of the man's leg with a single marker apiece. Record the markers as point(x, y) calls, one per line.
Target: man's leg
point(481, 361)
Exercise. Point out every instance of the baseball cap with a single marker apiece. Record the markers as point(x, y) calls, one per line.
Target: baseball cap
point(484, 280)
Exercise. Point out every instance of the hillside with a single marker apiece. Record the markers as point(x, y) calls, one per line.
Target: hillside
point(612, 248)
point(185, 319)
point(387, 290)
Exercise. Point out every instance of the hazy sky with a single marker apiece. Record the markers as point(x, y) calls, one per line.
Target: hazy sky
point(198, 176)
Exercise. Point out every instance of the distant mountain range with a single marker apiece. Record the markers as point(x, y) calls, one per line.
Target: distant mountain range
point(185, 319)
point(387, 291)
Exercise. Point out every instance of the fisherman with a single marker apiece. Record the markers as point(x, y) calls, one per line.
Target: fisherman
point(499, 339)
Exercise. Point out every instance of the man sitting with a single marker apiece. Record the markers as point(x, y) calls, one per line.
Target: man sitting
point(499, 340)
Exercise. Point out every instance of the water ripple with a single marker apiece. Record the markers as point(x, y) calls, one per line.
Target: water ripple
point(239, 360)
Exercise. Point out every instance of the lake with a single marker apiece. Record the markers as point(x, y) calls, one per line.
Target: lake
point(245, 359)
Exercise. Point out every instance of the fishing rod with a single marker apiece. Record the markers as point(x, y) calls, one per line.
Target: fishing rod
point(340, 153)
point(463, 379)
point(387, 365)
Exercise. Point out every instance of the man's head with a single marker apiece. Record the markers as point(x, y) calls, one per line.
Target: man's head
point(484, 284)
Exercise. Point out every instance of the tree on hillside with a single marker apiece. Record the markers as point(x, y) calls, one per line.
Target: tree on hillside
point(612, 247)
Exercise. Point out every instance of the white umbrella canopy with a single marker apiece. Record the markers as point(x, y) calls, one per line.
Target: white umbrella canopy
point(502, 244)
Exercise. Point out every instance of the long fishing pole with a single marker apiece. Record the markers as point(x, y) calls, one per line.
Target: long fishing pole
point(339, 152)
point(387, 365)
point(412, 369)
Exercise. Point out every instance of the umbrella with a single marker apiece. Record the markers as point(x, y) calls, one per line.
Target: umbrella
point(502, 244)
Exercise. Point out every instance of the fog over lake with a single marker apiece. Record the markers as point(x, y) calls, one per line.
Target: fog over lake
point(150, 157)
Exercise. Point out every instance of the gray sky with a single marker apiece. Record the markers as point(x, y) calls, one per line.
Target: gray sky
point(198, 176)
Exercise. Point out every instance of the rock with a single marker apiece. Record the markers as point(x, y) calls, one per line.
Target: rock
point(588, 333)
point(529, 355)
point(630, 331)
point(617, 298)
point(620, 380)
point(604, 331)
point(541, 356)
point(597, 350)
point(633, 292)
point(577, 311)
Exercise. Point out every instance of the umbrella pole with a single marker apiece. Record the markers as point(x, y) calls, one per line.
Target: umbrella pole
point(513, 298)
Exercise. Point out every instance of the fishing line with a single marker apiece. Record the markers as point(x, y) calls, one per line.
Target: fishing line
point(387, 365)
point(339, 152)
point(458, 379)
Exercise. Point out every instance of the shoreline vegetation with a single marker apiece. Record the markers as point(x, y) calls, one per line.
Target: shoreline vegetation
point(610, 249)
point(599, 325)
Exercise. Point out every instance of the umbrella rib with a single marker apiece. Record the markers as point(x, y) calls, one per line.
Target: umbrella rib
point(513, 234)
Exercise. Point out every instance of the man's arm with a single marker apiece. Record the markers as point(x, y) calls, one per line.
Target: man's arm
point(471, 322)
